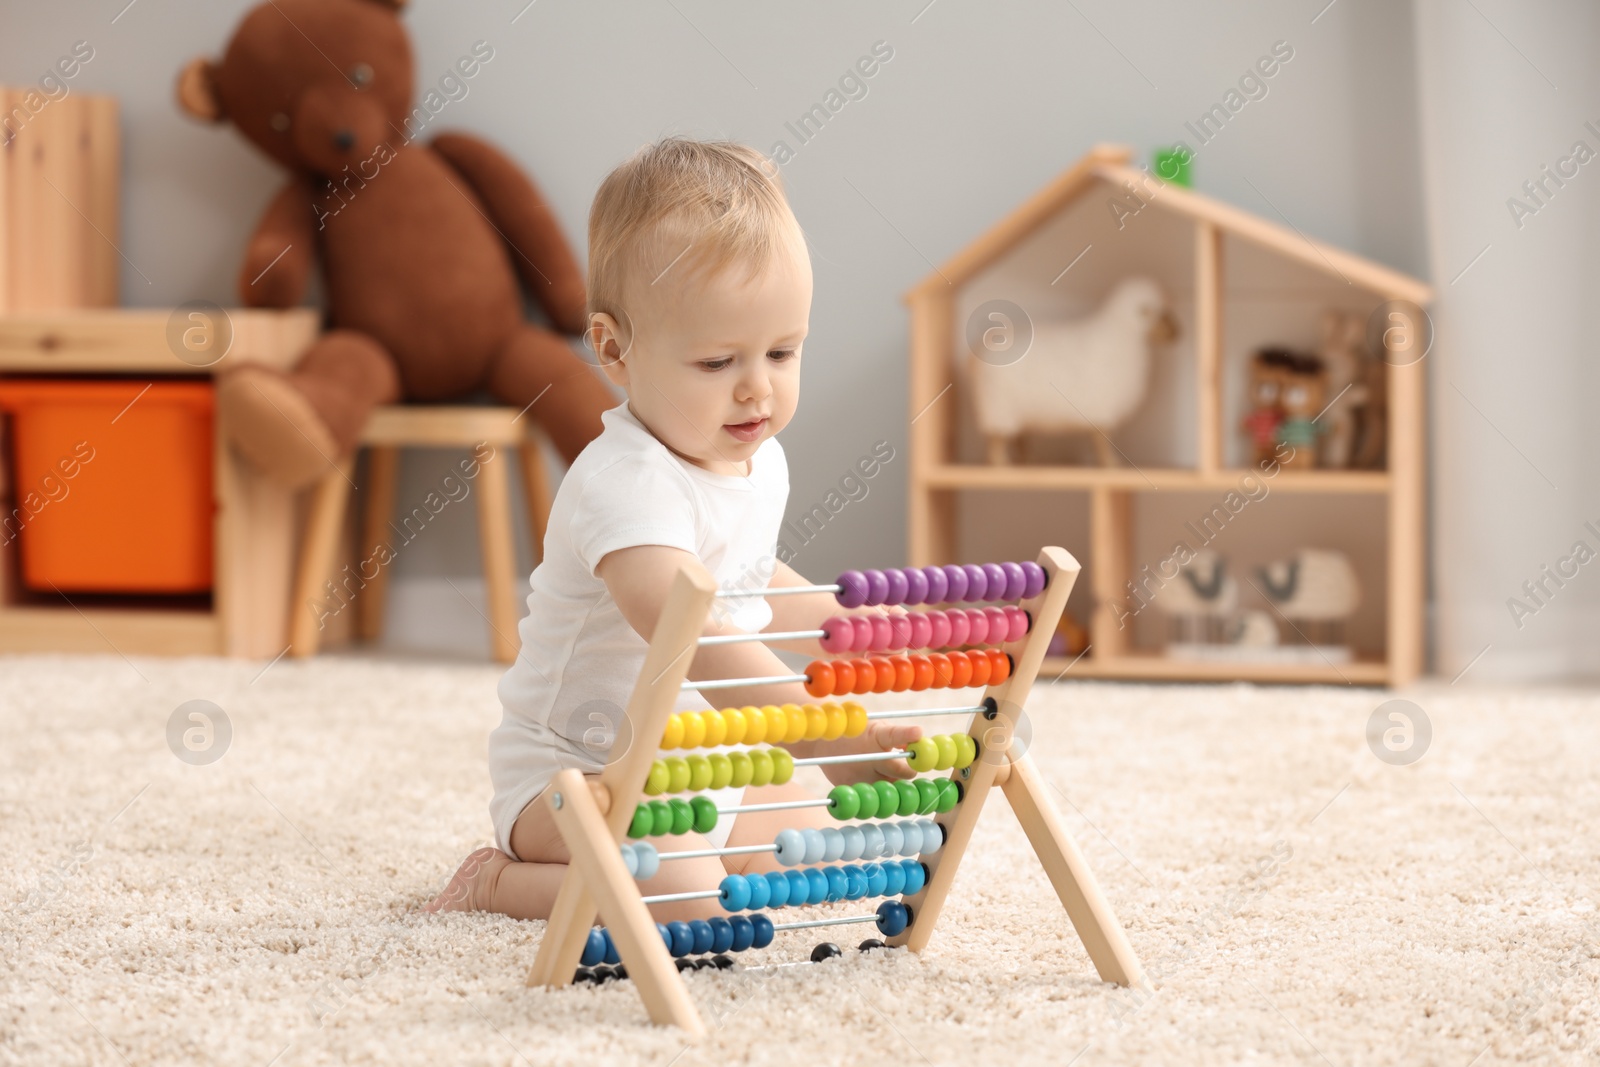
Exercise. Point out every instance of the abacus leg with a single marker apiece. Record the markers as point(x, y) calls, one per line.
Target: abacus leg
point(1074, 882)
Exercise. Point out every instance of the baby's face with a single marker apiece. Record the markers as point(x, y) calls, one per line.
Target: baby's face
point(714, 365)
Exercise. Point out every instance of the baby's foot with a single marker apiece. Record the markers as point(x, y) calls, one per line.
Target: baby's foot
point(470, 886)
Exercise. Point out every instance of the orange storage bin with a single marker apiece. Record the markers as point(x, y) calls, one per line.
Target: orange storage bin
point(111, 489)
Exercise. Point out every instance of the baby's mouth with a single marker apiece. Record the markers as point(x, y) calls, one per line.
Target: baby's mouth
point(746, 431)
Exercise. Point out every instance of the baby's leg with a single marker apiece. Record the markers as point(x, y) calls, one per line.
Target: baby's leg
point(489, 880)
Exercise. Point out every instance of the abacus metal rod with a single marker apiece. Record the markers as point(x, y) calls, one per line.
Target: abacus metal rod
point(698, 894)
point(825, 922)
point(735, 683)
point(782, 635)
point(859, 757)
point(780, 805)
point(914, 712)
point(725, 594)
point(736, 850)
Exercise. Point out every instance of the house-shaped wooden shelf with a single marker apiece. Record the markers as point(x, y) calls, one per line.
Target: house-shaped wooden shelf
point(1235, 283)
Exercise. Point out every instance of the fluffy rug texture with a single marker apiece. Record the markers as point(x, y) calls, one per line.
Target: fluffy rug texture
point(1295, 898)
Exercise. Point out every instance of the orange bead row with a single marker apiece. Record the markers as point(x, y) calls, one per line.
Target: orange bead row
point(896, 674)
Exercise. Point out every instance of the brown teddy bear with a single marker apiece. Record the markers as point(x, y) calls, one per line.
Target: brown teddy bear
point(420, 245)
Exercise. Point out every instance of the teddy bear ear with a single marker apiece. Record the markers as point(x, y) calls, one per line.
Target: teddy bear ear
point(197, 91)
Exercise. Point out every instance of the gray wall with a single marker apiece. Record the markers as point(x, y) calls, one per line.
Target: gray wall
point(980, 105)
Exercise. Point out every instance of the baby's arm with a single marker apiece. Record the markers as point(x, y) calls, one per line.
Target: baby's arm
point(639, 579)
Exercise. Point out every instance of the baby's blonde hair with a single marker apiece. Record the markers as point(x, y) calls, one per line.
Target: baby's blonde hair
point(691, 206)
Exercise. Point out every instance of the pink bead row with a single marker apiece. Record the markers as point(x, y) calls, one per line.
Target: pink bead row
point(923, 629)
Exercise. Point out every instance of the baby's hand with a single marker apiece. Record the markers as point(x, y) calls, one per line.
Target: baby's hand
point(878, 737)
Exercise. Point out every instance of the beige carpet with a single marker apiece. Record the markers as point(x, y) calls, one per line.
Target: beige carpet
point(1299, 900)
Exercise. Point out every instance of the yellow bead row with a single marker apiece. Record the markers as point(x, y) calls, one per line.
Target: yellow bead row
point(772, 724)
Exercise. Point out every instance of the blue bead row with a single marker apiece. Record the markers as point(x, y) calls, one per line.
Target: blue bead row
point(716, 935)
point(818, 885)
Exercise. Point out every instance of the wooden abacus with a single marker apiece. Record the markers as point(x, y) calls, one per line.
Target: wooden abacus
point(597, 818)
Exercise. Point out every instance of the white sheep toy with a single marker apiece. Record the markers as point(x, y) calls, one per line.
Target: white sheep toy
point(1316, 589)
point(1200, 599)
point(1083, 375)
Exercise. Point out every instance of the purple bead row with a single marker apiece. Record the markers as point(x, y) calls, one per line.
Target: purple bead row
point(953, 583)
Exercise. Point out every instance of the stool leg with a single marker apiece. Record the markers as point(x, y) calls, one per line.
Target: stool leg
point(317, 548)
point(536, 487)
point(383, 465)
point(499, 563)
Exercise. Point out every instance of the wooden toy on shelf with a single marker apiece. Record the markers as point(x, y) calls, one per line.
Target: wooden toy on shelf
point(1302, 398)
point(1344, 354)
point(1269, 370)
point(911, 835)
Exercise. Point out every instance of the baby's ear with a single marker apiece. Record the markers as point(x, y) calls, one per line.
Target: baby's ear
point(197, 91)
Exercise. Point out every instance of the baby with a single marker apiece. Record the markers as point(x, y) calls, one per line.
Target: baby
point(699, 299)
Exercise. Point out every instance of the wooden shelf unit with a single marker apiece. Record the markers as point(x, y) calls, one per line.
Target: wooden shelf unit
point(254, 552)
point(937, 478)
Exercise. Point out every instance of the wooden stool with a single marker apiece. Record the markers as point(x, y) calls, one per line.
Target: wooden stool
point(387, 431)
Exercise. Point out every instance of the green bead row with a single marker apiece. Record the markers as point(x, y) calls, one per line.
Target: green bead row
point(884, 799)
point(657, 818)
point(695, 774)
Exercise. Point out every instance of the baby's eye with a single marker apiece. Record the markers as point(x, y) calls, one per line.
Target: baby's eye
point(781, 354)
point(715, 364)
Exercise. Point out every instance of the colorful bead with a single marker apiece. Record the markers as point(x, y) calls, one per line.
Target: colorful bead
point(854, 842)
point(791, 848)
point(833, 844)
point(960, 670)
point(928, 790)
point(703, 937)
point(997, 581)
point(777, 888)
point(844, 677)
point(732, 726)
point(1037, 579)
point(816, 885)
point(876, 880)
point(1000, 666)
point(980, 668)
point(594, 948)
point(960, 627)
point(642, 821)
point(733, 892)
point(656, 782)
point(682, 938)
point(947, 752)
point(903, 674)
point(694, 730)
point(837, 722)
point(721, 769)
point(966, 751)
point(871, 841)
point(743, 769)
point(755, 725)
point(921, 672)
point(852, 589)
point(743, 932)
point(821, 680)
point(977, 582)
point(661, 818)
point(760, 891)
point(1016, 581)
point(894, 838)
point(956, 582)
point(611, 955)
point(899, 631)
point(777, 723)
point(672, 736)
point(932, 837)
point(763, 931)
point(816, 845)
point(941, 669)
point(888, 798)
point(866, 675)
point(869, 800)
point(761, 766)
point(844, 803)
point(894, 878)
point(782, 766)
point(910, 838)
point(816, 722)
point(949, 795)
point(892, 918)
point(855, 719)
point(916, 878)
point(647, 860)
point(999, 625)
point(921, 629)
point(860, 632)
point(877, 587)
point(916, 586)
point(699, 773)
point(977, 627)
point(677, 774)
point(898, 586)
point(836, 882)
point(682, 815)
point(938, 585)
point(909, 798)
point(1016, 624)
point(838, 635)
point(799, 888)
point(883, 674)
point(705, 814)
point(721, 933)
point(855, 883)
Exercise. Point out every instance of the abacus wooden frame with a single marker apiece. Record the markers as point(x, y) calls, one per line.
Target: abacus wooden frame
point(593, 820)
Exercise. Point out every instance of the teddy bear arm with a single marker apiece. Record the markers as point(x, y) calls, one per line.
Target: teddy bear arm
point(277, 261)
point(514, 204)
